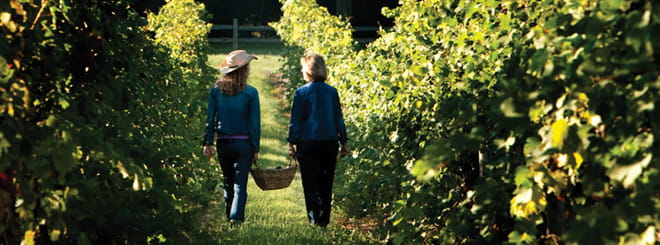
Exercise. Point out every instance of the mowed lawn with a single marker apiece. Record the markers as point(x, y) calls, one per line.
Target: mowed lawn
point(276, 216)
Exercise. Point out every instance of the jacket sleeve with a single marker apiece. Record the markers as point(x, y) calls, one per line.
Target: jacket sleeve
point(255, 122)
point(339, 119)
point(210, 120)
point(296, 117)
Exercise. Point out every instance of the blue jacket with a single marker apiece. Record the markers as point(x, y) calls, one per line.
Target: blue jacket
point(234, 115)
point(316, 114)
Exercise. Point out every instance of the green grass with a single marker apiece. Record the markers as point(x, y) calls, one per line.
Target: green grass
point(277, 216)
point(222, 48)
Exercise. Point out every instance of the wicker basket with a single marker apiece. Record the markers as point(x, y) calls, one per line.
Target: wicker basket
point(274, 178)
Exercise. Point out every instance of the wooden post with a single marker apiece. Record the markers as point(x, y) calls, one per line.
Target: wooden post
point(235, 36)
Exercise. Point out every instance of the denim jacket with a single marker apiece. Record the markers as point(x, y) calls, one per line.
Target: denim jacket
point(237, 114)
point(316, 114)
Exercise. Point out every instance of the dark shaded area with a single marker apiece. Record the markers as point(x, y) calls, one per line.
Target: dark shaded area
point(361, 13)
point(248, 12)
point(145, 6)
point(261, 12)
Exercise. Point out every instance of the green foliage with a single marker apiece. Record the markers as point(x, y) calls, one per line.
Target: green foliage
point(322, 33)
point(185, 37)
point(486, 122)
point(98, 122)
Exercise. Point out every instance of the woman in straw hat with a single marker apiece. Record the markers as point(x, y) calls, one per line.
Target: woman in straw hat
point(316, 129)
point(234, 115)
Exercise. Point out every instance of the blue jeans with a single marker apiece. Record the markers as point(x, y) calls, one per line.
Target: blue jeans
point(317, 168)
point(235, 157)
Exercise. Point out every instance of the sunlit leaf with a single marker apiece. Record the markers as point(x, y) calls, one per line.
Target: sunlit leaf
point(578, 160)
point(55, 234)
point(537, 111)
point(506, 144)
point(28, 238)
point(628, 174)
point(523, 176)
point(122, 170)
point(508, 108)
point(136, 182)
point(519, 238)
point(5, 17)
point(559, 133)
point(64, 103)
point(526, 202)
point(595, 120)
point(649, 235)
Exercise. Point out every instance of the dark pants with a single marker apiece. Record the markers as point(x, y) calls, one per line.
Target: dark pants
point(317, 166)
point(235, 156)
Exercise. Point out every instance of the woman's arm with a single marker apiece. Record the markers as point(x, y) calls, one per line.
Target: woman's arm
point(209, 129)
point(296, 118)
point(255, 122)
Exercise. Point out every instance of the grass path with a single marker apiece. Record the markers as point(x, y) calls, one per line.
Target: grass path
point(277, 216)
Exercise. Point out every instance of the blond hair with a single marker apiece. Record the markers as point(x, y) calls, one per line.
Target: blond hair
point(234, 82)
point(314, 66)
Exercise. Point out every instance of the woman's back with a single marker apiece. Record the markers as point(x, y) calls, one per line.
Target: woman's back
point(234, 111)
point(318, 112)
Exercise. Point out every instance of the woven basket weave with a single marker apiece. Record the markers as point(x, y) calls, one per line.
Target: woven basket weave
point(274, 178)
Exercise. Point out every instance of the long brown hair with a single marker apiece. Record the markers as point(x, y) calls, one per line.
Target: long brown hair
point(234, 82)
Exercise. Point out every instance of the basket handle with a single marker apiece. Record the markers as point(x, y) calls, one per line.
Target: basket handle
point(292, 161)
point(292, 156)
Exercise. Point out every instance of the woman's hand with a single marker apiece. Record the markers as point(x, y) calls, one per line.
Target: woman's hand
point(208, 150)
point(256, 157)
point(292, 151)
point(344, 150)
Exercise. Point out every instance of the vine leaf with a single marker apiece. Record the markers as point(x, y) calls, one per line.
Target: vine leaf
point(627, 174)
point(559, 132)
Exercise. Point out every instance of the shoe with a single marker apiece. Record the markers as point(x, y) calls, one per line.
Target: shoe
point(235, 223)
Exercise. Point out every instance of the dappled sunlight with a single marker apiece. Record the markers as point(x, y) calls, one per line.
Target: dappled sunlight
point(273, 158)
point(276, 142)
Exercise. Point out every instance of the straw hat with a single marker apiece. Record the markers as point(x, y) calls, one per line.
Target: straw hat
point(236, 59)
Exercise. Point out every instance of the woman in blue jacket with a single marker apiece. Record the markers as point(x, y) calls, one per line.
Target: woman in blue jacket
point(316, 129)
point(234, 115)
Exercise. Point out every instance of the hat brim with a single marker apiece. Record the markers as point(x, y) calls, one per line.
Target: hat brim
point(225, 68)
